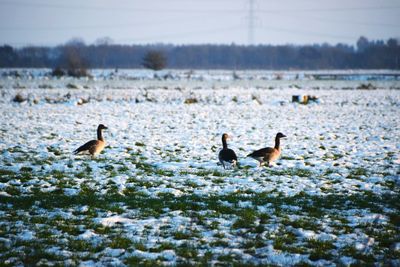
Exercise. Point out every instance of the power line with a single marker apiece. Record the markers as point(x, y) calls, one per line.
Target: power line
point(182, 34)
point(310, 33)
point(158, 37)
point(334, 9)
point(113, 7)
point(98, 26)
point(347, 21)
point(183, 10)
point(251, 19)
point(251, 24)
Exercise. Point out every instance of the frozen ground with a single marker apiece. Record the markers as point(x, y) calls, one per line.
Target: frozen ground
point(156, 195)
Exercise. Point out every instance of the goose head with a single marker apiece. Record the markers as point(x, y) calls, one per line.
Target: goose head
point(101, 127)
point(225, 136)
point(280, 135)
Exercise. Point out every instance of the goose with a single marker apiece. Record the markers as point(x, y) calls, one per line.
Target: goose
point(268, 154)
point(94, 147)
point(227, 155)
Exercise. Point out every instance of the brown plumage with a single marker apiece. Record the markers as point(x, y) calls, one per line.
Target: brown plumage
point(268, 154)
point(94, 147)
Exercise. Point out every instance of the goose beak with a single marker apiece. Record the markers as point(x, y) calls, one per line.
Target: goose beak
point(283, 135)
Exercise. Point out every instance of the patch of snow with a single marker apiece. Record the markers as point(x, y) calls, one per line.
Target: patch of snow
point(88, 234)
point(27, 235)
point(110, 221)
point(347, 261)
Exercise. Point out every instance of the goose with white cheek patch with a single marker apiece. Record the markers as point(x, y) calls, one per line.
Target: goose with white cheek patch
point(268, 154)
point(227, 157)
point(94, 147)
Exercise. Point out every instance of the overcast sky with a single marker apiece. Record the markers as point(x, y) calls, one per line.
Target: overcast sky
point(52, 22)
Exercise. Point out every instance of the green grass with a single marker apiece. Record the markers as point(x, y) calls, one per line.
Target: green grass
point(363, 259)
point(187, 251)
point(357, 172)
point(246, 219)
point(320, 249)
point(121, 242)
point(54, 150)
point(181, 235)
point(139, 246)
point(304, 223)
point(290, 172)
point(89, 196)
point(205, 213)
point(4, 172)
point(12, 190)
point(204, 173)
point(163, 246)
point(284, 241)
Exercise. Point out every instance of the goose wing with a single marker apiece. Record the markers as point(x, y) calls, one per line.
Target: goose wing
point(86, 147)
point(261, 152)
point(227, 155)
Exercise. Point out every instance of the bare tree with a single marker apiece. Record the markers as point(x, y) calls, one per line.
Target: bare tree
point(154, 60)
point(104, 41)
point(72, 58)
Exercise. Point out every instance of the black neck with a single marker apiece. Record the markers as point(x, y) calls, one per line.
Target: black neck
point(100, 135)
point(224, 144)
point(277, 139)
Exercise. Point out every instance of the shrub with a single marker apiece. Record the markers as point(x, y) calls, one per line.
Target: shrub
point(58, 72)
point(154, 60)
point(19, 98)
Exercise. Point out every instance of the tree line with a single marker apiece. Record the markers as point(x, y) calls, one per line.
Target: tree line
point(374, 54)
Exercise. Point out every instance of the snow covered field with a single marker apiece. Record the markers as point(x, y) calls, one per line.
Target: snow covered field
point(156, 195)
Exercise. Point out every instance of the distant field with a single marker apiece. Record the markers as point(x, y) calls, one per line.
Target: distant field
point(156, 195)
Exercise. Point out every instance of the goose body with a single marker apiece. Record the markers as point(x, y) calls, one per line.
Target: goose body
point(227, 156)
point(94, 147)
point(268, 154)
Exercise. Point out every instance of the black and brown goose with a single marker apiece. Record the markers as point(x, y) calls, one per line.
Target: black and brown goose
point(268, 154)
point(94, 147)
point(227, 156)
